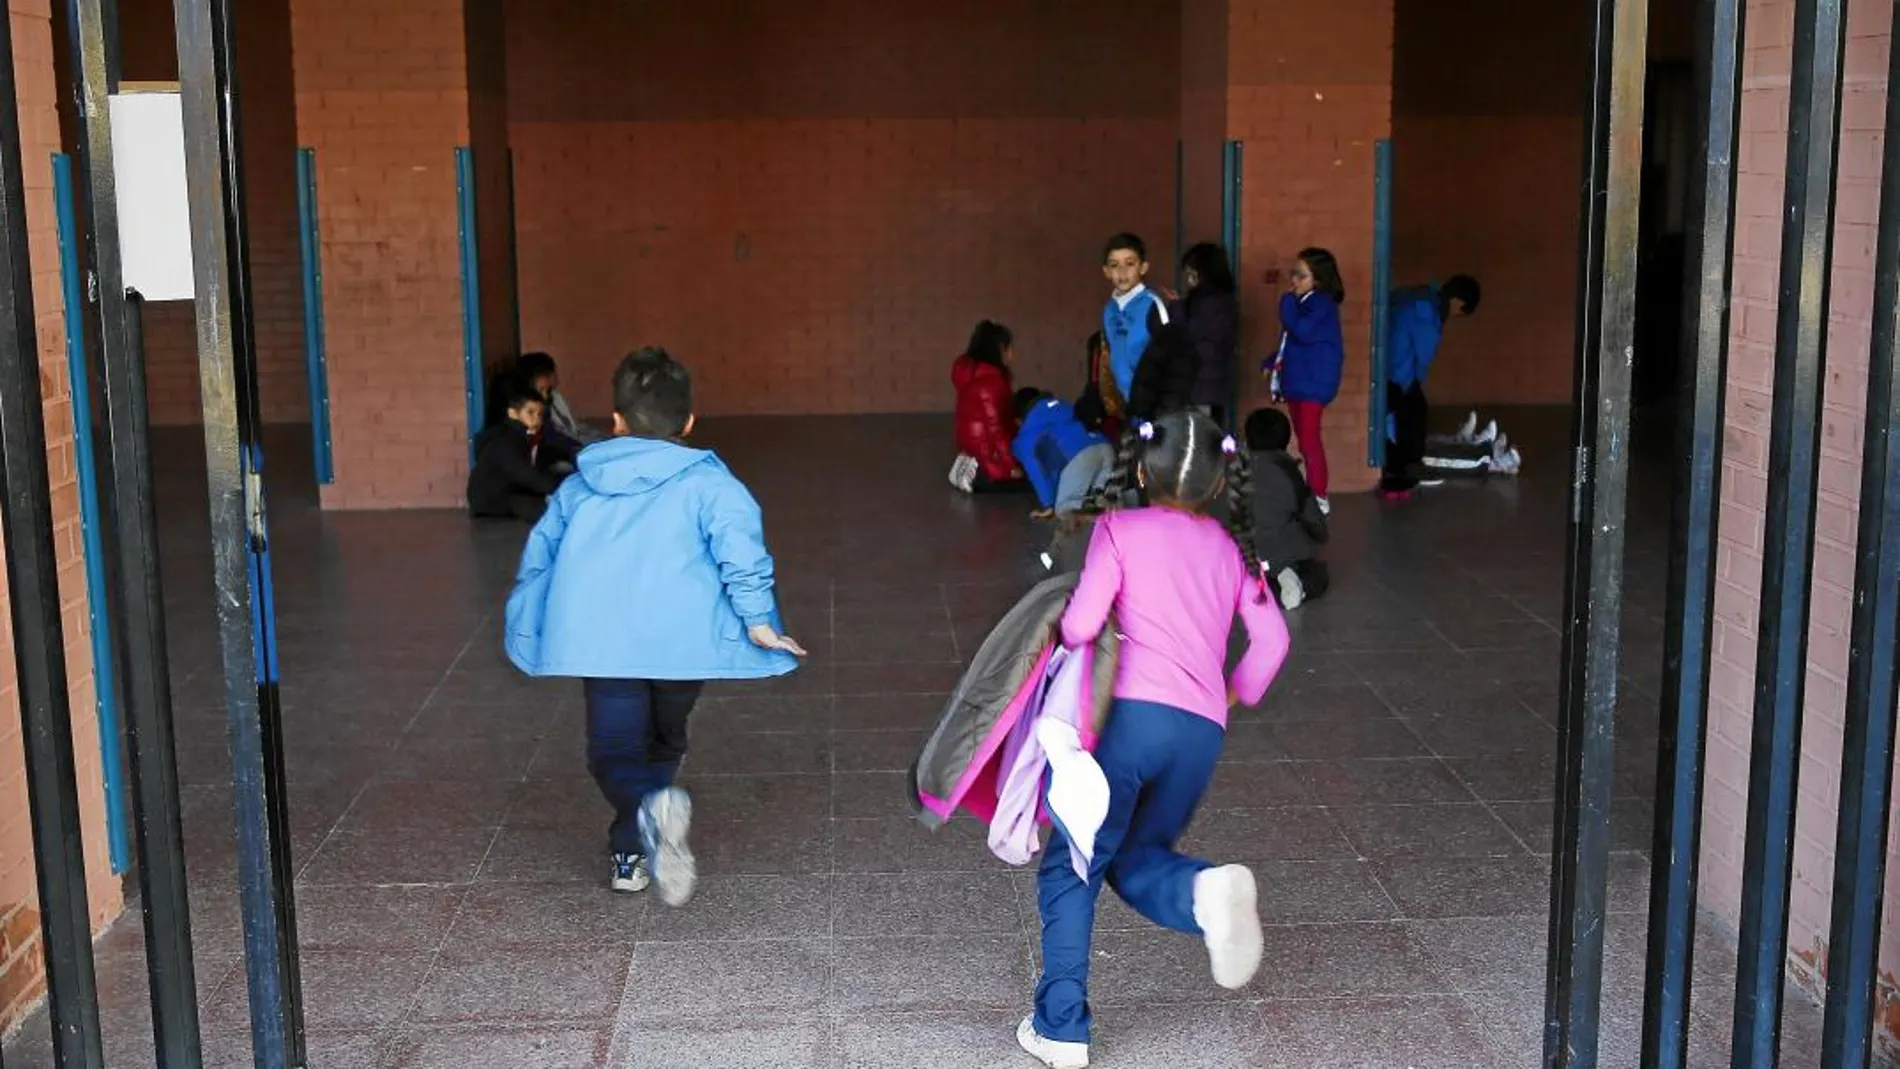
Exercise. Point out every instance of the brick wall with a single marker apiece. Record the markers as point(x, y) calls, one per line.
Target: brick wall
point(1487, 150)
point(1203, 116)
point(383, 97)
point(149, 54)
point(1764, 126)
point(813, 204)
point(1310, 92)
point(21, 965)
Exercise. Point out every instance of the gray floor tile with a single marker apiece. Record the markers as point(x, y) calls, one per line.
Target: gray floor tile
point(724, 981)
point(930, 905)
point(754, 1041)
point(543, 985)
point(570, 913)
point(959, 972)
point(464, 1046)
point(745, 907)
point(1439, 831)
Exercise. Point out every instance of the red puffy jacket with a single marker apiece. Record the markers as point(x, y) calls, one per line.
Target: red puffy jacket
point(986, 421)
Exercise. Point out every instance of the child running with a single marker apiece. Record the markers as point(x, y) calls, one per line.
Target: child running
point(1172, 580)
point(647, 577)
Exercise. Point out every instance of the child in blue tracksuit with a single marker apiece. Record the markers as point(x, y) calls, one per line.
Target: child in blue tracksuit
point(1133, 313)
point(1063, 459)
point(647, 577)
point(1416, 326)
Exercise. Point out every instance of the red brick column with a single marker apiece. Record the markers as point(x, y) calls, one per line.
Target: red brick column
point(1309, 90)
point(384, 97)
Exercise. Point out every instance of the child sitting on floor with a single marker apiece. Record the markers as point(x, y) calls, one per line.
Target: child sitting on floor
point(986, 421)
point(1288, 525)
point(1063, 458)
point(506, 479)
point(540, 369)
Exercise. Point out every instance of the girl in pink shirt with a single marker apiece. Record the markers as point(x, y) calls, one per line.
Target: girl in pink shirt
point(1171, 581)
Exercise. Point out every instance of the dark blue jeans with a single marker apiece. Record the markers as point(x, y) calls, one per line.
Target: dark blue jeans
point(1158, 760)
point(636, 736)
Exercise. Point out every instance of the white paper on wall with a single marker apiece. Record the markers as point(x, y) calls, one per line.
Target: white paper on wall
point(148, 163)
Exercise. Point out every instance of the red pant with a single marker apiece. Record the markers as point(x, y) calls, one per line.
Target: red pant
point(1306, 417)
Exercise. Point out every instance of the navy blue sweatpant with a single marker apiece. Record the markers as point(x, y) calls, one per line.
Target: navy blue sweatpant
point(636, 736)
point(1158, 760)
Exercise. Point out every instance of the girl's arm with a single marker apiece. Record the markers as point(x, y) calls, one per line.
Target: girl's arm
point(1267, 644)
point(1095, 591)
point(1314, 319)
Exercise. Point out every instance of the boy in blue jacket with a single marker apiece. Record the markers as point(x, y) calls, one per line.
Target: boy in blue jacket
point(1417, 325)
point(1133, 313)
point(647, 577)
point(1063, 459)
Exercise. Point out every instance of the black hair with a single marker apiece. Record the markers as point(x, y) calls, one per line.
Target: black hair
point(653, 393)
point(1027, 398)
point(1209, 261)
point(1459, 287)
point(1268, 431)
point(513, 391)
point(1130, 242)
point(1325, 273)
point(987, 343)
point(532, 366)
point(1184, 460)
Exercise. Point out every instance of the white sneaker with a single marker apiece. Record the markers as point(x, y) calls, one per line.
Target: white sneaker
point(1226, 906)
point(1487, 435)
point(1292, 591)
point(665, 817)
point(630, 874)
point(1049, 1052)
point(1325, 505)
point(963, 472)
point(1469, 429)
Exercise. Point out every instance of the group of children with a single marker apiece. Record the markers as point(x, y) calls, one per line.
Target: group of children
point(646, 575)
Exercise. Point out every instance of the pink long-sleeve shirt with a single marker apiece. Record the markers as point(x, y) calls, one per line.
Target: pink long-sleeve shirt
point(1175, 581)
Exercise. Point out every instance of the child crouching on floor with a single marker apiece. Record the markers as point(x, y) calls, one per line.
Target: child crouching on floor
point(1288, 524)
point(647, 577)
point(1064, 460)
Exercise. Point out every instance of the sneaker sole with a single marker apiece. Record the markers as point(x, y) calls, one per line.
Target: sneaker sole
point(1230, 923)
point(627, 887)
point(674, 870)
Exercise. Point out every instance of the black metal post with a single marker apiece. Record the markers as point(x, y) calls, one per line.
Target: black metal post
point(137, 588)
point(227, 363)
point(39, 643)
point(1807, 238)
point(1593, 588)
point(1873, 687)
point(1692, 557)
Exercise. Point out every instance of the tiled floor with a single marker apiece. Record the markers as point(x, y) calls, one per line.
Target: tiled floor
point(1393, 794)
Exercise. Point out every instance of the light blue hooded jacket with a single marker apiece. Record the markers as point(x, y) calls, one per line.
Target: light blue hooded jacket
point(650, 564)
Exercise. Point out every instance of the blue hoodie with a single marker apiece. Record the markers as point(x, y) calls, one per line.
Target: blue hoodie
point(650, 564)
point(1051, 437)
point(1127, 328)
point(1412, 336)
point(1312, 351)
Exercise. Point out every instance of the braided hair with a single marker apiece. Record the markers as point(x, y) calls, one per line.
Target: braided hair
point(1183, 458)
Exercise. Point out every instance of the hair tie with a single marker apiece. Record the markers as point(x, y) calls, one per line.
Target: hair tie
point(1145, 431)
point(1228, 446)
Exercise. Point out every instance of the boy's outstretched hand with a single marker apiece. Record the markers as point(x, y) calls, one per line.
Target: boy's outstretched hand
point(766, 637)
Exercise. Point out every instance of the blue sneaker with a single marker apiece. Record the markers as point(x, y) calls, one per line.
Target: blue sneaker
point(665, 817)
point(629, 874)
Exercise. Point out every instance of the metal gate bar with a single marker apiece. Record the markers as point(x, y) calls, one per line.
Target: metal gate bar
point(1690, 613)
point(1593, 580)
point(1807, 237)
point(39, 642)
point(138, 590)
point(227, 362)
point(1873, 688)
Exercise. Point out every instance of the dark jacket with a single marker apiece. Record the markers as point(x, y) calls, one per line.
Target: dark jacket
point(986, 423)
point(504, 467)
point(1213, 321)
point(1313, 353)
point(1165, 379)
point(1287, 523)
